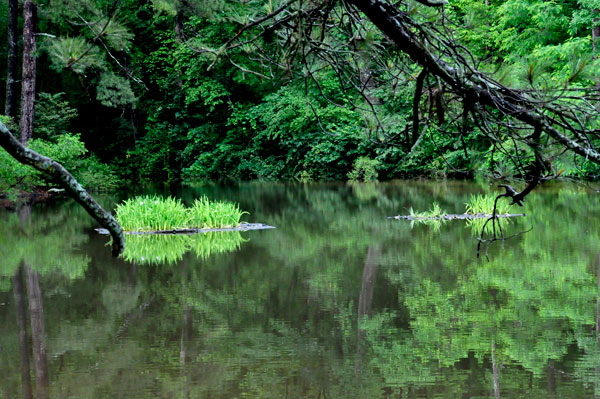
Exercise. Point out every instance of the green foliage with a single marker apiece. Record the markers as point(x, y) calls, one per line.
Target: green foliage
point(150, 213)
point(75, 53)
point(480, 203)
point(209, 214)
point(114, 91)
point(364, 169)
point(10, 123)
point(435, 211)
point(69, 150)
point(431, 217)
point(149, 82)
point(53, 115)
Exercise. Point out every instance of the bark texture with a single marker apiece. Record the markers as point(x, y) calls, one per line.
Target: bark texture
point(56, 171)
point(10, 107)
point(29, 65)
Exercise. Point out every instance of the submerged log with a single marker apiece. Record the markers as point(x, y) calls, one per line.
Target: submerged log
point(240, 227)
point(461, 216)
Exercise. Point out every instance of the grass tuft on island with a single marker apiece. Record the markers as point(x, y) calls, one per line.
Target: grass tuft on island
point(154, 213)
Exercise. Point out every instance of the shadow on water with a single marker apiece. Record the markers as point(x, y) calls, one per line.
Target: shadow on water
point(336, 302)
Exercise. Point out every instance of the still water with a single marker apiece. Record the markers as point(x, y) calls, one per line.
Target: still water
point(337, 302)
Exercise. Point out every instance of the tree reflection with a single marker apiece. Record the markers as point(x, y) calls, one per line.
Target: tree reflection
point(38, 332)
point(24, 350)
point(339, 302)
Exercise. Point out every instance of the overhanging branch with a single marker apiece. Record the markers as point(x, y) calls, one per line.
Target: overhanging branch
point(57, 172)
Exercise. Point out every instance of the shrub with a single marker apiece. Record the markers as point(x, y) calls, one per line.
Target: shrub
point(364, 169)
point(70, 151)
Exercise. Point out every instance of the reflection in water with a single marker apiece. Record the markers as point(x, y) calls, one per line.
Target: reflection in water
point(38, 332)
point(337, 302)
point(21, 312)
point(365, 299)
point(170, 248)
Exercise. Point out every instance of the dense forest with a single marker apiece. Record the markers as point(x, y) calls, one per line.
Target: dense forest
point(180, 90)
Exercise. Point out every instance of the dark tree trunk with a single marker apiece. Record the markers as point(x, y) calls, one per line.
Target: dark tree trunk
point(21, 312)
point(38, 332)
point(28, 77)
point(10, 108)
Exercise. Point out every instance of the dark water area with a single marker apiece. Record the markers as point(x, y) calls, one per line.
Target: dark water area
point(337, 302)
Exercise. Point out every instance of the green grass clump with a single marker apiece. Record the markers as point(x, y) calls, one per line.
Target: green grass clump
point(435, 212)
point(150, 213)
point(485, 204)
point(209, 214)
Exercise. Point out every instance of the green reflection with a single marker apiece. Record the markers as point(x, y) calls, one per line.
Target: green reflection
point(170, 248)
point(47, 241)
point(337, 302)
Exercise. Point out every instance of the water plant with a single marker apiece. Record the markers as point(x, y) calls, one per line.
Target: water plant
point(152, 213)
point(485, 204)
point(436, 211)
point(209, 214)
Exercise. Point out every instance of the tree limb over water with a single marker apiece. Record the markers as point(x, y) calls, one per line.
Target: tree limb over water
point(530, 127)
point(57, 172)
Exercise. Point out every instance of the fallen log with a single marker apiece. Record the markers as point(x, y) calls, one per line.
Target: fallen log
point(461, 216)
point(240, 227)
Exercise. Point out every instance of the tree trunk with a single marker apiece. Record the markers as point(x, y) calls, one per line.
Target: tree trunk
point(28, 77)
point(10, 108)
point(21, 312)
point(38, 332)
point(56, 171)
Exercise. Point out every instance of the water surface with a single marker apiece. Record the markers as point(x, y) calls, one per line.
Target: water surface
point(337, 302)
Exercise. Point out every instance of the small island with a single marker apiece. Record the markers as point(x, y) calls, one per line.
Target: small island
point(159, 215)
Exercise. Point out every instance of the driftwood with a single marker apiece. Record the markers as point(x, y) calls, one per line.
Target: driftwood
point(461, 216)
point(240, 227)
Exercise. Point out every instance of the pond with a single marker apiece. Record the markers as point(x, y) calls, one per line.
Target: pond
point(337, 302)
